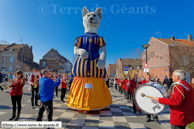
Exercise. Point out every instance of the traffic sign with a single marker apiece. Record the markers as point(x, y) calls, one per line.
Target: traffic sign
point(145, 65)
point(146, 70)
point(126, 68)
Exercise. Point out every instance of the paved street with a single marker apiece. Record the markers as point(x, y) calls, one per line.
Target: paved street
point(118, 115)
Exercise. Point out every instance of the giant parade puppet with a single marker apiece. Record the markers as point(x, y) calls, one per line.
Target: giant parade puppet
point(89, 90)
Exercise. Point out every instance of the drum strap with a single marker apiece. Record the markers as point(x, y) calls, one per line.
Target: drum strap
point(179, 91)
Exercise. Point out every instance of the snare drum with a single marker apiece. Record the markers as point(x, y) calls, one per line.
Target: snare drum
point(146, 104)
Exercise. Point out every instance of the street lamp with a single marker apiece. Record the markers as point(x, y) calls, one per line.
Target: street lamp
point(146, 47)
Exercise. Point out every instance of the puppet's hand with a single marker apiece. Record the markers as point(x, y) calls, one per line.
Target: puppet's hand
point(83, 54)
point(101, 64)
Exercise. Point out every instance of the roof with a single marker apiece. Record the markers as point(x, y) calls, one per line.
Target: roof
point(112, 66)
point(53, 50)
point(14, 46)
point(128, 61)
point(179, 42)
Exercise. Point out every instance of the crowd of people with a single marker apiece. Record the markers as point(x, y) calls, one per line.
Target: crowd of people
point(43, 84)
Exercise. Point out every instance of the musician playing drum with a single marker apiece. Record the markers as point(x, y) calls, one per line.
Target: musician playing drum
point(155, 117)
point(181, 101)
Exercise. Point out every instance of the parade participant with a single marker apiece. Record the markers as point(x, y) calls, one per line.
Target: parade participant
point(155, 117)
point(123, 86)
point(180, 101)
point(132, 86)
point(192, 83)
point(64, 81)
point(127, 89)
point(46, 95)
point(34, 82)
point(89, 90)
point(119, 84)
point(16, 94)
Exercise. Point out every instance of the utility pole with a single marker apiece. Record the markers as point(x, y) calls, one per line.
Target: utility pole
point(21, 40)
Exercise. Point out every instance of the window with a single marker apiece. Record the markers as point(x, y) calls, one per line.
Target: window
point(11, 59)
point(173, 44)
point(44, 63)
point(10, 68)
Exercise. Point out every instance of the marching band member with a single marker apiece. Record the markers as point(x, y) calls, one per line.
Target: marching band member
point(127, 83)
point(134, 83)
point(119, 84)
point(180, 101)
point(123, 86)
point(16, 94)
point(155, 117)
point(63, 86)
point(34, 82)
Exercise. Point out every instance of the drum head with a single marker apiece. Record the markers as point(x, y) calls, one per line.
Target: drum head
point(147, 104)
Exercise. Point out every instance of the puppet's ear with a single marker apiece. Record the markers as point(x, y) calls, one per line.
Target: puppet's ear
point(99, 12)
point(85, 11)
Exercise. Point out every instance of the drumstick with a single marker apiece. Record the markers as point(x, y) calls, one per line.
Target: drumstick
point(143, 95)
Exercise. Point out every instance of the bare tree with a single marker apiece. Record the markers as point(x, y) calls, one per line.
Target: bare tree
point(135, 53)
point(182, 57)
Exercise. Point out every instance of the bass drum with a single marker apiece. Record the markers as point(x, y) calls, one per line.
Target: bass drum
point(146, 104)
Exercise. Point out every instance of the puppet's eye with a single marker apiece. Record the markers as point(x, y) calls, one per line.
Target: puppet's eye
point(94, 15)
point(88, 15)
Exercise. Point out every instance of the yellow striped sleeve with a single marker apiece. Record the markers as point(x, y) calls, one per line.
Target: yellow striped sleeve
point(78, 42)
point(102, 42)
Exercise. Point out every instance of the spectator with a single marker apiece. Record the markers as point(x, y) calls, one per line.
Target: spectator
point(46, 95)
point(166, 81)
point(63, 86)
point(70, 80)
point(107, 81)
point(170, 82)
point(115, 83)
point(1, 77)
point(192, 83)
point(16, 94)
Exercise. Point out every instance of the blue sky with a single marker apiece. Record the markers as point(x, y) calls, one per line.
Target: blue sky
point(47, 24)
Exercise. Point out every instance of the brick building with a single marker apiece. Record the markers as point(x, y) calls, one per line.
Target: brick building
point(11, 58)
point(160, 54)
point(111, 70)
point(132, 64)
point(55, 62)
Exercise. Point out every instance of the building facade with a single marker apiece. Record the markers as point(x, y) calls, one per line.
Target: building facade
point(55, 62)
point(132, 64)
point(111, 70)
point(163, 55)
point(15, 57)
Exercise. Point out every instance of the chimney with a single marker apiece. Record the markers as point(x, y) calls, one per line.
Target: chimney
point(189, 37)
point(172, 38)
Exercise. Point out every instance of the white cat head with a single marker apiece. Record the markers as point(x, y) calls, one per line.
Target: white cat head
point(91, 20)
